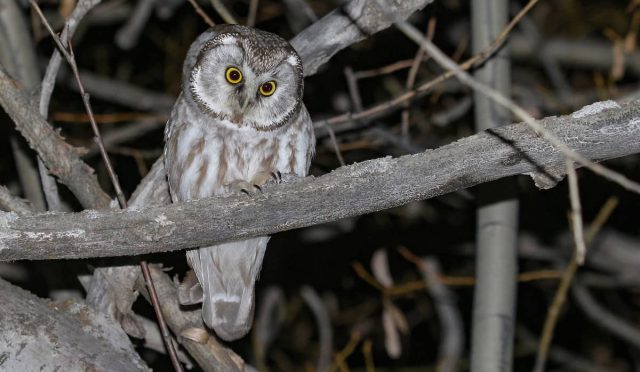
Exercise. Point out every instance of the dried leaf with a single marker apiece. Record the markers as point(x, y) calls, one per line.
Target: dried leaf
point(380, 268)
point(391, 337)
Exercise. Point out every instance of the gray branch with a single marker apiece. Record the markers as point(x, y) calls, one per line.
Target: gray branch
point(350, 23)
point(36, 334)
point(60, 158)
point(366, 187)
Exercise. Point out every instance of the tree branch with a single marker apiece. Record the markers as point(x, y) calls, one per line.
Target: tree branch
point(348, 191)
point(36, 334)
point(346, 25)
point(60, 158)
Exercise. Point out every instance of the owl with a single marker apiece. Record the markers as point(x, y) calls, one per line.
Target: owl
point(238, 123)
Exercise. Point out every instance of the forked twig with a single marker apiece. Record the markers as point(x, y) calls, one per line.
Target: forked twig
point(70, 58)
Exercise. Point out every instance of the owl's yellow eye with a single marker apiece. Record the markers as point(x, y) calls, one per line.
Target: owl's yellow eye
point(233, 75)
point(268, 88)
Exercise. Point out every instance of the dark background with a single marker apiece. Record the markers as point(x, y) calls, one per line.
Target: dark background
point(322, 257)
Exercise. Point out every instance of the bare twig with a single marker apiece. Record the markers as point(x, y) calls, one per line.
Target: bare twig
point(17, 54)
point(69, 56)
point(155, 302)
point(128, 34)
point(397, 102)
point(210, 355)
point(202, 13)
point(561, 293)
point(553, 314)
point(503, 101)
point(411, 77)
point(222, 10)
point(624, 330)
point(576, 213)
point(334, 142)
point(452, 339)
point(325, 329)
point(253, 11)
point(49, 184)
point(270, 314)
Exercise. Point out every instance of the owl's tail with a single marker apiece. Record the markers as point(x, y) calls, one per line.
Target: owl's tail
point(227, 274)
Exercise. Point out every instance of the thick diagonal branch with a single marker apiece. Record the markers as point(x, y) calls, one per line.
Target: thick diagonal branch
point(60, 158)
point(354, 21)
point(596, 133)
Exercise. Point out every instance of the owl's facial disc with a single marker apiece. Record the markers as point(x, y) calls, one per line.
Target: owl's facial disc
point(250, 87)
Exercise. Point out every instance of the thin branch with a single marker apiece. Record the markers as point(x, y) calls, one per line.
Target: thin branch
point(222, 10)
point(348, 191)
point(164, 331)
point(323, 321)
point(576, 214)
point(411, 78)
point(70, 57)
point(452, 329)
point(128, 35)
point(202, 13)
point(398, 102)
point(506, 102)
point(210, 355)
point(610, 321)
point(565, 283)
point(17, 53)
point(253, 11)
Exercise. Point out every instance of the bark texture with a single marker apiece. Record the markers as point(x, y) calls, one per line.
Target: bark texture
point(61, 159)
point(346, 25)
point(40, 335)
point(600, 131)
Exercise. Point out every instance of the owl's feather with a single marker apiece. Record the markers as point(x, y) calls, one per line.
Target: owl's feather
point(206, 153)
point(228, 291)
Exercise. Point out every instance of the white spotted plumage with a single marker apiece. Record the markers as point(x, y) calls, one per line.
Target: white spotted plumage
point(213, 142)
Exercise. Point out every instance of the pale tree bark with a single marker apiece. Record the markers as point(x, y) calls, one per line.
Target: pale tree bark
point(37, 334)
point(497, 214)
point(349, 191)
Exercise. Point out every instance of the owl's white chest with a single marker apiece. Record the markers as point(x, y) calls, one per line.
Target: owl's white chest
point(211, 158)
point(204, 157)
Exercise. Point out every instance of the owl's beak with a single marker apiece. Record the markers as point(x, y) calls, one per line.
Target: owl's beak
point(243, 101)
point(244, 104)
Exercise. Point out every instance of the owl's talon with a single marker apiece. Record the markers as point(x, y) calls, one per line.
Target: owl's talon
point(241, 186)
point(277, 176)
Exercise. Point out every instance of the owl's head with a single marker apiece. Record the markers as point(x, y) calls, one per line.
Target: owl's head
point(244, 75)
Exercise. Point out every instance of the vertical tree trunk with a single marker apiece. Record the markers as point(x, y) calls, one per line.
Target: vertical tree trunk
point(497, 214)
